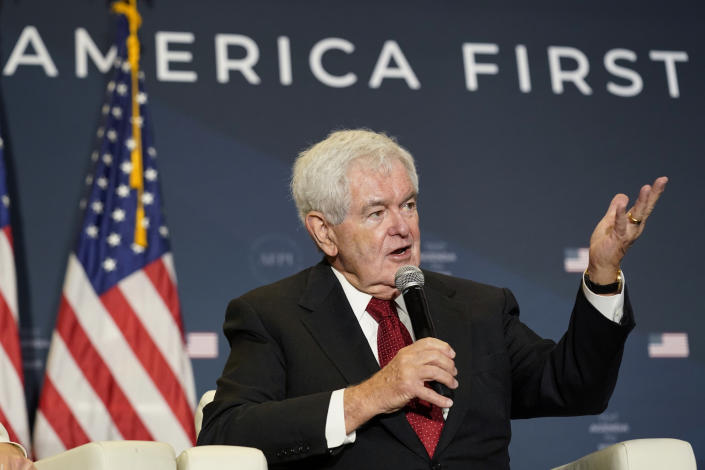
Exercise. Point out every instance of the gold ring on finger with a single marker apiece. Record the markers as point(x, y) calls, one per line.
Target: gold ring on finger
point(632, 219)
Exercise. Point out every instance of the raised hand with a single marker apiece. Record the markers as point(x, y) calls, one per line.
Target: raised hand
point(619, 229)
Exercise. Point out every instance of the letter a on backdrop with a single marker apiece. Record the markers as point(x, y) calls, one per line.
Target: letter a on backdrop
point(117, 366)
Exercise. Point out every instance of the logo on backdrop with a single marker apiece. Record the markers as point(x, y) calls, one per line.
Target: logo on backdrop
point(668, 345)
point(274, 256)
point(609, 429)
point(436, 256)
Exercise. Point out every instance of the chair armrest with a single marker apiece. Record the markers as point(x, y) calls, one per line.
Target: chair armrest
point(210, 457)
point(113, 455)
point(638, 454)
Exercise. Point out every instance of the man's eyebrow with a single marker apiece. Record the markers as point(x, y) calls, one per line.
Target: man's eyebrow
point(372, 203)
point(381, 202)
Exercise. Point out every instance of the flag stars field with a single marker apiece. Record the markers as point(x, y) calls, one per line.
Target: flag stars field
point(150, 174)
point(92, 231)
point(109, 264)
point(113, 239)
point(118, 215)
point(123, 190)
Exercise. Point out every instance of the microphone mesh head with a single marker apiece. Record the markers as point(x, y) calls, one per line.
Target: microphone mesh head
point(408, 276)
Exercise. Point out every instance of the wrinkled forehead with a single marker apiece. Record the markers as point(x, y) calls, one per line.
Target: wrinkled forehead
point(369, 182)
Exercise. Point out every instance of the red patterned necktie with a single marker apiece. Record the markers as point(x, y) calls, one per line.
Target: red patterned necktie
point(426, 419)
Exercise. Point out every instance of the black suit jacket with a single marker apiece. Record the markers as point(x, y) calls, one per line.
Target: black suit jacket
point(295, 341)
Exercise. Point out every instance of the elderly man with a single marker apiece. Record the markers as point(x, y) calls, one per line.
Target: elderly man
point(323, 370)
point(12, 456)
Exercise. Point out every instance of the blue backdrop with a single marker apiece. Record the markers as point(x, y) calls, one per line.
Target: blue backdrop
point(524, 119)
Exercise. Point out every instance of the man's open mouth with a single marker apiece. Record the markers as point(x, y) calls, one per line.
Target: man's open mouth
point(401, 251)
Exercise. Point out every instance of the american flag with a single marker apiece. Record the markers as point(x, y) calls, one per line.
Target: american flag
point(117, 366)
point(13, 409)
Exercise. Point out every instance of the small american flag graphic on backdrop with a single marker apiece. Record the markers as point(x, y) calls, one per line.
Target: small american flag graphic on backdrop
point(117, 366)
point(671, 345)
point(13, 409)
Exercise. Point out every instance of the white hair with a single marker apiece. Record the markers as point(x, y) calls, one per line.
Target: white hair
point(319, 179)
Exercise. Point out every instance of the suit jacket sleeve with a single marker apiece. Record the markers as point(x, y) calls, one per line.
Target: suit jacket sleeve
point(251, 406)
point(573, 377)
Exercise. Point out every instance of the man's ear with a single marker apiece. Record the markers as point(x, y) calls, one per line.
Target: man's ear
point(321, 232)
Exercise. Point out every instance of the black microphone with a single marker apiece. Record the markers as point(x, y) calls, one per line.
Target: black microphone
point(410, 280)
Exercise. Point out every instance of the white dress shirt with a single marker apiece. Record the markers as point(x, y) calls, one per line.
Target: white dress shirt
point(610, 306)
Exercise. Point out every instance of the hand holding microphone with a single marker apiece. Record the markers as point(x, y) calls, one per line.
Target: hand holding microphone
point(410, 281)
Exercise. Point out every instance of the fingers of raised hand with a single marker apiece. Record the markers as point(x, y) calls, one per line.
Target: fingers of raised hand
point(648, 196)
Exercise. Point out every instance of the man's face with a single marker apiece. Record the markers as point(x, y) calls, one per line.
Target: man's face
point(380, 232)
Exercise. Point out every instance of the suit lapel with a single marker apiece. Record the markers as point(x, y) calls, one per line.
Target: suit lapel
point(334, 326)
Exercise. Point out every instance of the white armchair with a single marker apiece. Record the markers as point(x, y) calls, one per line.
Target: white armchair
point(639, 454)
point(113, 455)
point(210, 457)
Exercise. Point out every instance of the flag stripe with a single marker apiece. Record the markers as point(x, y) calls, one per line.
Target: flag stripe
point(158, 273)
point(8, 427)
point(12, 402)
point(7, 230)
point(59, 417)
point(148, 354)
point(126, 369)
point(168, 260)
point(46, 440)
point(8, 283)
point(9, 338)
point(147, 302)
point(96, 372)
point(86, 407)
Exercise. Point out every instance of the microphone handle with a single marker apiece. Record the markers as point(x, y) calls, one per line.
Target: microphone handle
point(421, 321)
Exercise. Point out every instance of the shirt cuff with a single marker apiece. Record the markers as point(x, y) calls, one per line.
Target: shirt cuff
point(610, 306)
point(335, 422)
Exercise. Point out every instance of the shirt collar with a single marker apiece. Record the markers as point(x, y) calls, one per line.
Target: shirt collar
point(359, 300)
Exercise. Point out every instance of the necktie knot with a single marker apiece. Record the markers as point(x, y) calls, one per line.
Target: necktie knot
point(380, 309)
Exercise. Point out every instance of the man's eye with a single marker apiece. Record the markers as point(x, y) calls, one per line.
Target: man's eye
point(375, 215)
point(411, 205)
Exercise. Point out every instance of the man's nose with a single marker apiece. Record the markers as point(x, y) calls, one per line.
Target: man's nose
point(398, 224)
